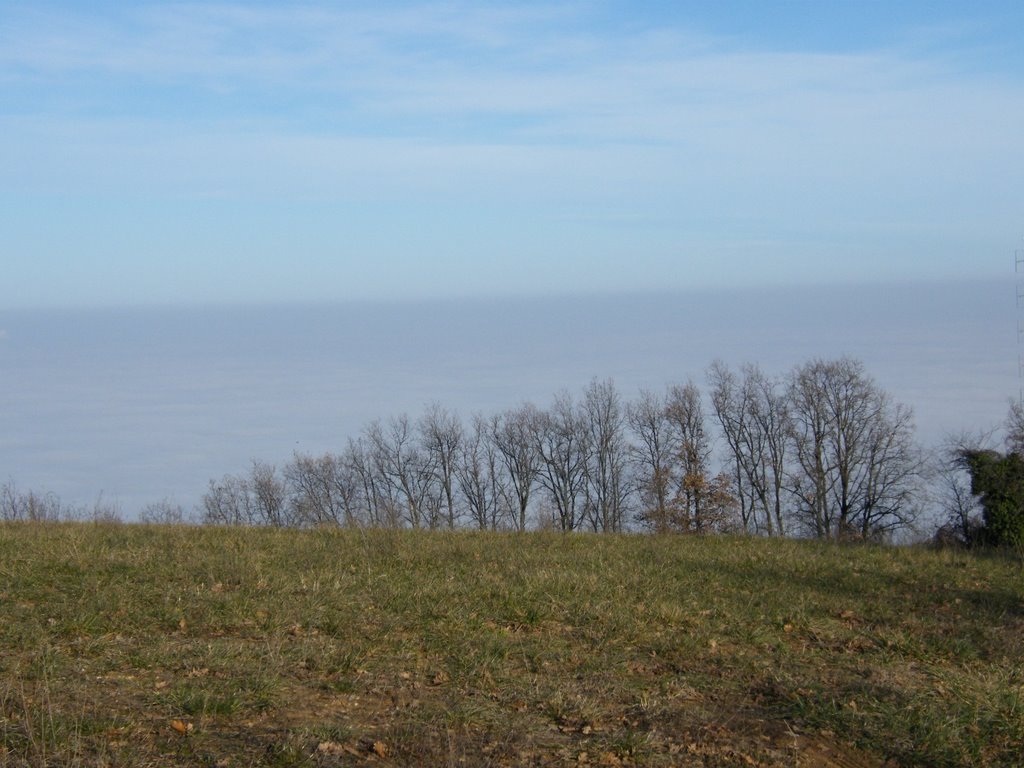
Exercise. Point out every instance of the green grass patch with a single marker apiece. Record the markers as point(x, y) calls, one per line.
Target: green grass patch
point(132, 645)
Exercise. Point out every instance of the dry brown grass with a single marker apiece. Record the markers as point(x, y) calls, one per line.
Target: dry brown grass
point(131, 645)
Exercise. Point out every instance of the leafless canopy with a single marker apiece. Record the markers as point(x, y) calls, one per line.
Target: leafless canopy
point(823, 452)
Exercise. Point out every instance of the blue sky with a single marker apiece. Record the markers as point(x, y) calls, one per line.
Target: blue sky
point(247, 152)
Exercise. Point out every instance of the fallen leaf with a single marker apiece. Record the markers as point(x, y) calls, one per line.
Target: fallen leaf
point(330, 748)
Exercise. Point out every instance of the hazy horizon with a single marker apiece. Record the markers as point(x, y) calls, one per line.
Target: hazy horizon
point(142, 404)
point(279, 222)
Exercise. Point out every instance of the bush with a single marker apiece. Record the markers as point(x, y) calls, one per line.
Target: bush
point(998, 480)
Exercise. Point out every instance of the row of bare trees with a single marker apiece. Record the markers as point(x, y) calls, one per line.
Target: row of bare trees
point(826, 450)
point(438, 472)
point(33, 506)
point(823, 451)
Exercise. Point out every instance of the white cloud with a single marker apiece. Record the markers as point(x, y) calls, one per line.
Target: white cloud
point(664, 142)
point(457, 72)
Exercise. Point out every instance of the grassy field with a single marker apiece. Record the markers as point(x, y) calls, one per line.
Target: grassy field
point(132, 645)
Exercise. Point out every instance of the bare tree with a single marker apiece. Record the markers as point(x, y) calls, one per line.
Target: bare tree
point(888, 484)
point(406, 470)
point(311, 481)
point(513, 433)
point(753, 413)
point(259, 499)
point(101, 511)
point(654, 456)
point(685, 414)
point(372, 493)
point(441, 433)
point(163, 512)
point(959, 510)
point(1015, 428)
point(814, 431)
point(963, 511)
point(564, 451)
point(719, 506)
point(10, 508)
point(324, 490)
point(854, 449)
point(270, 495)
point(480, 477)
point(772, 423)
point(732, 404)
point(31, 506)
point(608, 485)
point(228, 502)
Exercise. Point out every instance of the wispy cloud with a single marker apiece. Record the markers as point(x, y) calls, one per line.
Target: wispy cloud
point(547, 111)
point(431, 59)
